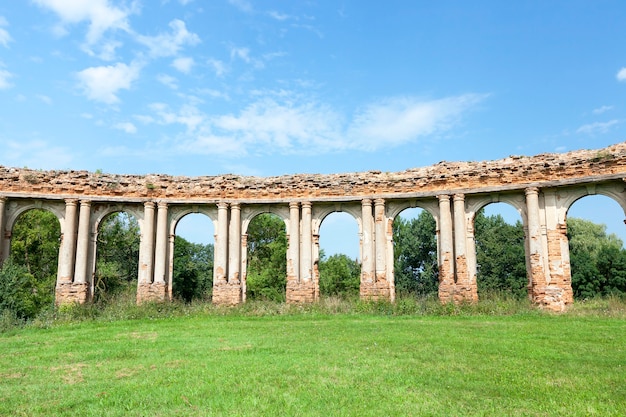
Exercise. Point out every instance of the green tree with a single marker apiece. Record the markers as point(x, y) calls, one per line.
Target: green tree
point(35, 241)
point(339, 275)
point(597, 259)
point(500, 255)
point(20, 292)
point(117, 254)
point(193, 270)
point(415, 254)
point(267, 258)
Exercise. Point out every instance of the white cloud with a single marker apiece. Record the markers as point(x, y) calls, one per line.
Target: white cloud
point(185, 2)
point(127, 127)
point(183, 64)
point(44, 99)
point(243, 5)
point(598, 127)
point(102, 83)
point(5, 38)
point(168, 81)
point(218, 66)
point(5, 76)
point(278, 16)
point(286, 123)
point(602, 109)
point(169, 44)
point(621, 74)
point(101, 15)
point(35, 153)
point(396, 121)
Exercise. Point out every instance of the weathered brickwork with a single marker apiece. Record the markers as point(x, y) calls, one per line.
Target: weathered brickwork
point(440, 178)
point(541, 188)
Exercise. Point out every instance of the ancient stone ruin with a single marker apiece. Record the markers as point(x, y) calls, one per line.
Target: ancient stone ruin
point(541, 188)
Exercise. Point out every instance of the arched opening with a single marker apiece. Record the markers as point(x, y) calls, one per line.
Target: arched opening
point(192, 277)
point(117, 256)
point(29, 275)
point(266, 277)
point(339, 265)
point(595, 231)
point(415, 253)
point(500, 251)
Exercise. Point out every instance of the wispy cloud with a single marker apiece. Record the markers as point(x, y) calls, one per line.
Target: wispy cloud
point(598, 127)
point(183, 64)
point(169, 44)
point(168, 81)
point(103, 83)
point(45, 99)
point(35, 153)
point(621, 74)
point(101, 15)
point(5, 76)
point(287, 124)
point(218, 66)
point(243, 5)
point(602, 109)
point(127, 127)
point(5, 38)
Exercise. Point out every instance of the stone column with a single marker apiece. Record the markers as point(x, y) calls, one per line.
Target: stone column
point(3, 255)
point(234, 244)
point(463, 289)
point(146, 254)
point(67, 254)
point(293, 262)
point(446, 251)
point(379, 218)
point(67, 251)
point(306, 251)
point(302, 288)
point(159, 286)
point(170, 263)
point(221, 245)
point(535, 255)
point(367, 248)
point(560, 276)
point(81, 287)
point(244, 266)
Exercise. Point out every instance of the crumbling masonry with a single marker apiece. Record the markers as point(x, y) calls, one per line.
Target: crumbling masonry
point(541, 188)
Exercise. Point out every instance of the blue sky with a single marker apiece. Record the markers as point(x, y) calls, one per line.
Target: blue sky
point(191, 87)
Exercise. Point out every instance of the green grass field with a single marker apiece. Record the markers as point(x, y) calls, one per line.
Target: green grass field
point(312, 363)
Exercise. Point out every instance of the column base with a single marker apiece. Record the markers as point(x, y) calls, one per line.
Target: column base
point(71, 293)
point(375, 291)
point(151, 292)
point(465, 293)
point(227, 294)
point(551, 298)
point(301, 292)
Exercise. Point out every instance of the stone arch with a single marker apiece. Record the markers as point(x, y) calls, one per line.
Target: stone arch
point(101, 211)
point(175, 215)
point(395, 207)
point(248, 214)
point(614, 191)
point(417, 282)
point(515, 279)
point(17, 207)
point(320, 214)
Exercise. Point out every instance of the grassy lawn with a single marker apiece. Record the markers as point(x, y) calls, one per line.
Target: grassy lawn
point(318, 364)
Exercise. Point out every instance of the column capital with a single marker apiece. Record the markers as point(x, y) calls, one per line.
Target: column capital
point(443, 197)
point(366, 202)
point(294, 204)
point(148, 204)
point(85, 203)
point(162, 204)
point(531, 191)
point(2, 198)
point(306, 204)
point(71, 201)
point(459, 197)
point(235, 206)
point(222, 205)
point(379, 202)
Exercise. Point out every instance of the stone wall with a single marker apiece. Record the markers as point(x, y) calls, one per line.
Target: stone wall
point(512, 172)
